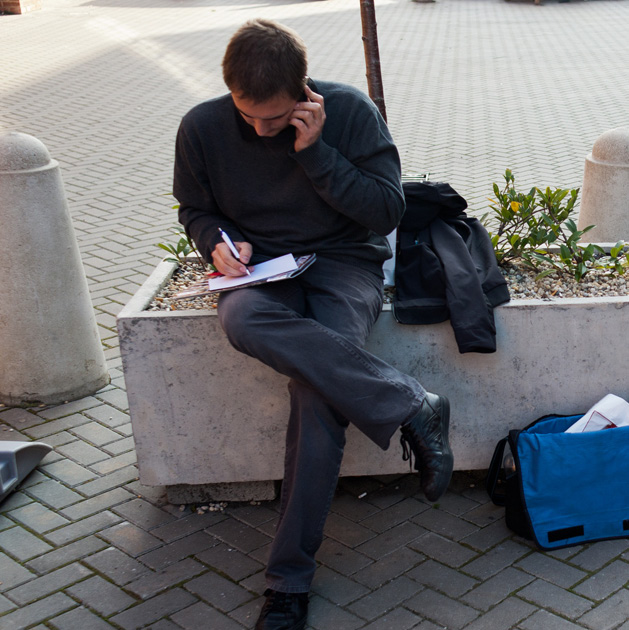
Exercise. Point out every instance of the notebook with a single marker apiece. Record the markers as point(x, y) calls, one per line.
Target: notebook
point(273, 270)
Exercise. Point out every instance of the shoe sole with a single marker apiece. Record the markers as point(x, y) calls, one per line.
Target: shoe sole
point(300, 625)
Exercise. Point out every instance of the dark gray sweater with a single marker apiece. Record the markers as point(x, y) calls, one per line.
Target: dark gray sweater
point(337, 198)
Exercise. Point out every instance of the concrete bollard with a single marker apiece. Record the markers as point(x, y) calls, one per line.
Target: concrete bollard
point(50, 350)
point(605, 192)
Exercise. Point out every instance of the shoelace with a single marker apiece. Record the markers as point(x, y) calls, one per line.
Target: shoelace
point(407, 451)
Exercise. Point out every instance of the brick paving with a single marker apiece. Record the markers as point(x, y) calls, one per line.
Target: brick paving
point(472, 87)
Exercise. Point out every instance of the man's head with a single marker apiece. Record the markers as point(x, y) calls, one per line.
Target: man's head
point(265, 60)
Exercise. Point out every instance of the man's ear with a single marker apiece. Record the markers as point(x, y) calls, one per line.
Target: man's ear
point(307, 82)
point(303, 96)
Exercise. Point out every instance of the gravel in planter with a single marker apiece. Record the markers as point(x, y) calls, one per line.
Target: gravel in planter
point(521, 281)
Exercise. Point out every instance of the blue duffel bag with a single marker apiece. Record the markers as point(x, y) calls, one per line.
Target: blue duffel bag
point(562, 489)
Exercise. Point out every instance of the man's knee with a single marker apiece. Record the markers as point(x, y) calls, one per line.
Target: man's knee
point(234, 314)
point(252, 320)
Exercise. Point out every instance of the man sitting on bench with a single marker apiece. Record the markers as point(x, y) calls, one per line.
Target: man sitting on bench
point(285, 164)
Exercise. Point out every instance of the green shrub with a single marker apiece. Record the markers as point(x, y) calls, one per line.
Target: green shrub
point(537, 230)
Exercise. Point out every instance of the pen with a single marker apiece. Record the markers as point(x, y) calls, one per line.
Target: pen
point(231, 246)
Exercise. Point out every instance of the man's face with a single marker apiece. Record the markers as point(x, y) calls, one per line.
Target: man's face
point(269, 117)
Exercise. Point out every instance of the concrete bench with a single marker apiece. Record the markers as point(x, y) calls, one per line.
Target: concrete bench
point(199, 430)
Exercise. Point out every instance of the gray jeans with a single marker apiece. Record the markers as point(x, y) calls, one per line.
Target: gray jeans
point(312, 329)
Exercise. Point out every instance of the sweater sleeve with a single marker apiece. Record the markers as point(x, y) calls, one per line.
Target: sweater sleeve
point(361, 177)
point(198, 211)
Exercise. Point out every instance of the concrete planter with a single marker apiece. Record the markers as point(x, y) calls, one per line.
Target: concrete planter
point(204, 414)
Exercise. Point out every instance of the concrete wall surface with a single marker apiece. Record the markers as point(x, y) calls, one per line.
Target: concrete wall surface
point(194, 422)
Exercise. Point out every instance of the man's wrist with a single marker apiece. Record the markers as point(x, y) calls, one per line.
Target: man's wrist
point(308, 152)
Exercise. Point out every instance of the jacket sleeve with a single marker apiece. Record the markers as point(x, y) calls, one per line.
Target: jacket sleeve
point(361, 178)
point(198, 210)
point(471, 316)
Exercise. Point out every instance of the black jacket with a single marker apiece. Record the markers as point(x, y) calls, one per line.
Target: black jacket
point(446, 267)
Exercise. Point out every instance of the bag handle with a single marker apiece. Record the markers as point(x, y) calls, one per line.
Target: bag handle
point(495, 468)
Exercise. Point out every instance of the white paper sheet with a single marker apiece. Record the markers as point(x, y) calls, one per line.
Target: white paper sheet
point(259, 273)
point(609, 412)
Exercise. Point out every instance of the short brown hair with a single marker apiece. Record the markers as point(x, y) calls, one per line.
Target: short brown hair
point(265, 59)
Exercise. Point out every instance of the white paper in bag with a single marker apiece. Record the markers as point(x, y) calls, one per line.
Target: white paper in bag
point(609, 412)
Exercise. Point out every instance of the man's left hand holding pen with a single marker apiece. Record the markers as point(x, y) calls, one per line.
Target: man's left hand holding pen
point(225, 259)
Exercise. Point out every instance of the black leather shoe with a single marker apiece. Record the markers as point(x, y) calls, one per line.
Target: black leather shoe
point(283, 611)
point(425, 435)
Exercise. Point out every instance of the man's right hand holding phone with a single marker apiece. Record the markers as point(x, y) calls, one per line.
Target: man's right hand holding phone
point(308, 119)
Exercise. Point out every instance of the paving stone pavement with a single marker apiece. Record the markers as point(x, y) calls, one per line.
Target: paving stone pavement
point(472, 87)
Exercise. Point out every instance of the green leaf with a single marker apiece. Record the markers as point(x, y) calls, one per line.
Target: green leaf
point(618, 247)
point(543, 274)
point(168, 248)
point(565, 252)
point(542, 258)
point(581, 271)
point(587, 252)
